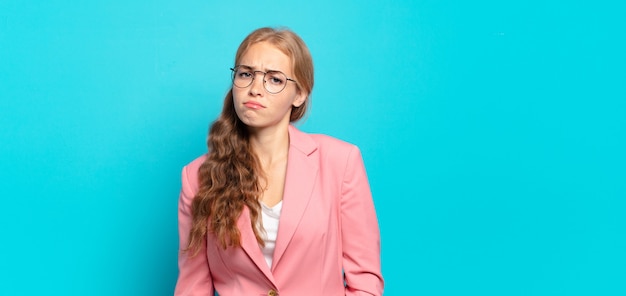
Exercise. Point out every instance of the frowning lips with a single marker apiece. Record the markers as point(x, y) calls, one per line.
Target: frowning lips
point(253, 105)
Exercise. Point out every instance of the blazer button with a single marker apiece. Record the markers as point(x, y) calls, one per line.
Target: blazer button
point(272, 293)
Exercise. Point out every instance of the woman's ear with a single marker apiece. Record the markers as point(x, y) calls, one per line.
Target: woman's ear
point(300, 99)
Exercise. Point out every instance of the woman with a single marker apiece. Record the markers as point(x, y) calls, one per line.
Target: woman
point(270, 210)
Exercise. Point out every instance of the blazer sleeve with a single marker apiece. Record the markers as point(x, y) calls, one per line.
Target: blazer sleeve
point(193, 271)
point(360, 232)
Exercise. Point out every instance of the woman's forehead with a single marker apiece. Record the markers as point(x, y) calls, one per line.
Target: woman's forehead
point(264, 56)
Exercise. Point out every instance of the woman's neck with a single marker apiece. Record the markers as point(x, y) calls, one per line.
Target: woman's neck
point(270, 146)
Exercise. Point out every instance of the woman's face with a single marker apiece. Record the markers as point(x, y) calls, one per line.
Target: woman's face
point(255, 106)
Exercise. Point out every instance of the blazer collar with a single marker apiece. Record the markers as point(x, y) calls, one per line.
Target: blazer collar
point(301, 142)
point(302, 170)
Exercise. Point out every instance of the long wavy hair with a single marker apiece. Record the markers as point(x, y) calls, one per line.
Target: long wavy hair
point(229, 177)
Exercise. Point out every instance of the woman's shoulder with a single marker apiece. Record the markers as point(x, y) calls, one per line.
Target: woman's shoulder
point(195, 164)
point(331, 147)
point(190, 173)
point(329, 142)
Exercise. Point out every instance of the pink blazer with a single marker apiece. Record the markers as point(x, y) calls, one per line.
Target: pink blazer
point(328, 232)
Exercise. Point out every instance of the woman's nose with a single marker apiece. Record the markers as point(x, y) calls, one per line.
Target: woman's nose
point(256, 87)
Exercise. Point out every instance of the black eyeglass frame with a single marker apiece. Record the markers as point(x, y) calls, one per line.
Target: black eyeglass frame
point(234, 70)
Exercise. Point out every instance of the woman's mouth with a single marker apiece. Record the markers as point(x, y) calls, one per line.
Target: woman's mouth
point(253, 105)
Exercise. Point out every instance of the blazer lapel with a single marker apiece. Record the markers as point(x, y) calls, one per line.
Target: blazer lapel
point(251, 246)
point(302, 170)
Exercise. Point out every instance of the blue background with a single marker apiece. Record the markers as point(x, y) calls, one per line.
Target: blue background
point(493, 132)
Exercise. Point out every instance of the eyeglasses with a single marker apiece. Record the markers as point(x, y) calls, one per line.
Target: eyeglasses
point(276, 81)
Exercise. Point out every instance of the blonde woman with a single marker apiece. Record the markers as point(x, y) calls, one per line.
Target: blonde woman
point(271, 210)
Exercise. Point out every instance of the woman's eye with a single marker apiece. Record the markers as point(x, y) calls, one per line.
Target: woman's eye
point(276, 80)
point(244, 74)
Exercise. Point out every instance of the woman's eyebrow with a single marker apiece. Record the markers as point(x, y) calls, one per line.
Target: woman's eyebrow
point(254, 69)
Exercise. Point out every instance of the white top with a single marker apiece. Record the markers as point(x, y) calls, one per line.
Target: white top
point(269, 223)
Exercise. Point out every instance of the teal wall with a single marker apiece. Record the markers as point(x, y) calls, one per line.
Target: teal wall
point(493, 132)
